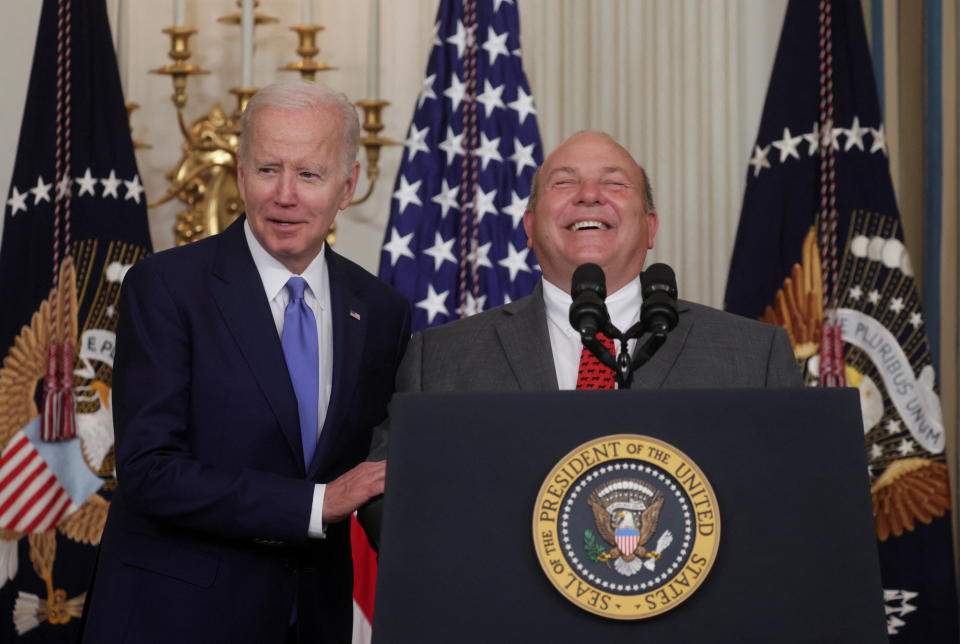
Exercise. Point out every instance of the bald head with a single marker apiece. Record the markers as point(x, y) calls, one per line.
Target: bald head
point(591, 203)
point(649, 203)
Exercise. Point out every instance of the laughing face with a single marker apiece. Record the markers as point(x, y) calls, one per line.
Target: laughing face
point(293, 182)
point(590, 208)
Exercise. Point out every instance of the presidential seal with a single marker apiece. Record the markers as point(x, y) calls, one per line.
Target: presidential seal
point(626, 526)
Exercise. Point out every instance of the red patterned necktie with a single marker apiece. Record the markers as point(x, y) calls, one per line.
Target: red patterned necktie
point(594, 374)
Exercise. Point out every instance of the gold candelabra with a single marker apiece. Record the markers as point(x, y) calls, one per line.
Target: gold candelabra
point(137, 143)
point(308, 67)
point(205, 177)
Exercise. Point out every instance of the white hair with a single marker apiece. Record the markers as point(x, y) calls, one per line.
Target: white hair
point(300, 95)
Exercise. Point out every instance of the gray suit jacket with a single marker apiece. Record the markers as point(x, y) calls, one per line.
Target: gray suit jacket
point(508, 349)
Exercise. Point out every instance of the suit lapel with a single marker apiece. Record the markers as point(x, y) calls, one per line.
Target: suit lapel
point(238, 292)
point(653, 374)
point(526, 343)
point(348, 318)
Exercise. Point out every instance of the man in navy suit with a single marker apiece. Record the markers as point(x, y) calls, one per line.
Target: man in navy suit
point(224, 527)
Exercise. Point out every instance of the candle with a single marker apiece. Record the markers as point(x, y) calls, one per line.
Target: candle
point(306, 12)
point(246, 53)
point(373, 51)
point(178, 11)
point(122, 48)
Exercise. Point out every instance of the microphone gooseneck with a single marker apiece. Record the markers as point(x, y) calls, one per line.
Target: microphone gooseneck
point(658, 316)
point(588, 288)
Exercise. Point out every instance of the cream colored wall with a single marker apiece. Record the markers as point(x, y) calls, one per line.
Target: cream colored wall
point(680, 82)
point(18, 32)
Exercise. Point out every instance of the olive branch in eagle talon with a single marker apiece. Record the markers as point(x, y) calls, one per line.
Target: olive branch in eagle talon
point(594, 550)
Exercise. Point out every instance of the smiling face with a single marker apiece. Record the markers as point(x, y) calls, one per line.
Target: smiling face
point(590, 208)
point(293, 182)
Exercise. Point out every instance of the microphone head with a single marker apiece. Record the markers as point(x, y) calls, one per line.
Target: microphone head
point(588, 288)
point(658, 277)
point(659, 309)
point(588, 276)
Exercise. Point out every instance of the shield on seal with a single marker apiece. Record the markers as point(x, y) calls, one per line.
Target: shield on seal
point(627, 539)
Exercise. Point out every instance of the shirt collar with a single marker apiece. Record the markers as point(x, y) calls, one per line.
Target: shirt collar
point(274, 275)
point(623, 306)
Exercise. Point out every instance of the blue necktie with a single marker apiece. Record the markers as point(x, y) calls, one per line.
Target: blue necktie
point(300, 348)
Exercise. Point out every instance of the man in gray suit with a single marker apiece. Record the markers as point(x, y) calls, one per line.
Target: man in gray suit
point(591, 202)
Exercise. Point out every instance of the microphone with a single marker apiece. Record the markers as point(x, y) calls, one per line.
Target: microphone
point(658, 314)
point(588, 313)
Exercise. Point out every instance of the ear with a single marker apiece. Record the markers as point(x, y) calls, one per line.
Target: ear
point(653, 224)
point(528, 226)
point(241, 180)
point(350, 186)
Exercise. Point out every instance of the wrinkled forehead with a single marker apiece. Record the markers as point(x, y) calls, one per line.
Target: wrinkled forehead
point(314, 122)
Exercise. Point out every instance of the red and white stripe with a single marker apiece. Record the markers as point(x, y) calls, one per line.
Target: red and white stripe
point(627, 543)
point(31, 497)
point(364, 583)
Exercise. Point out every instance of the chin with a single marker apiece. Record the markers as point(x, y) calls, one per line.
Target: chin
point(283, 250)
point(591, 257)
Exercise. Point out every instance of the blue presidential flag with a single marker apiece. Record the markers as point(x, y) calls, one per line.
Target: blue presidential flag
point(820, 252)
point(75, 221)
point(455, 243)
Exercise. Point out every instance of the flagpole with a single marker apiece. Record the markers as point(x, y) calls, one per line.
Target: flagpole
point(122, 48)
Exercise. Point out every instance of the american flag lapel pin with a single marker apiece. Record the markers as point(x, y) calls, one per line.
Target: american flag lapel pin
point(354, 315)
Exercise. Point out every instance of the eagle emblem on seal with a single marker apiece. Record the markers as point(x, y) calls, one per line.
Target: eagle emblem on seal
point(626, 512)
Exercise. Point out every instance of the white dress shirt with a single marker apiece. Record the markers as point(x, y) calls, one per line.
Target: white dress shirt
point(274, 276)
point(624, 309)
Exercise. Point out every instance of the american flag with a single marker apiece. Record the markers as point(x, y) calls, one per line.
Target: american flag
point(455, 243)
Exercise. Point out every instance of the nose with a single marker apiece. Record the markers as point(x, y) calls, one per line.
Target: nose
point(286, 190)
point(588, 193)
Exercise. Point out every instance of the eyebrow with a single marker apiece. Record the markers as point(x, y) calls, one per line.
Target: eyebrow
point(319, 170)
point(607, 170)
point(614, 170)
point(562, 170)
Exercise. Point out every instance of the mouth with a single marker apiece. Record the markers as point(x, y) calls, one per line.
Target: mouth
point(283, 223)
point(589, 224)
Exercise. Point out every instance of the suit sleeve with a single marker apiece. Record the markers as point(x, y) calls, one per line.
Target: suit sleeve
point(782, 370)
point(370, 514)
point(159, 476)
point(409, 379)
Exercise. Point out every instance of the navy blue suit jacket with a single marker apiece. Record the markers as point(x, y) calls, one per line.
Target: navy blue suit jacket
point(206, 539)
